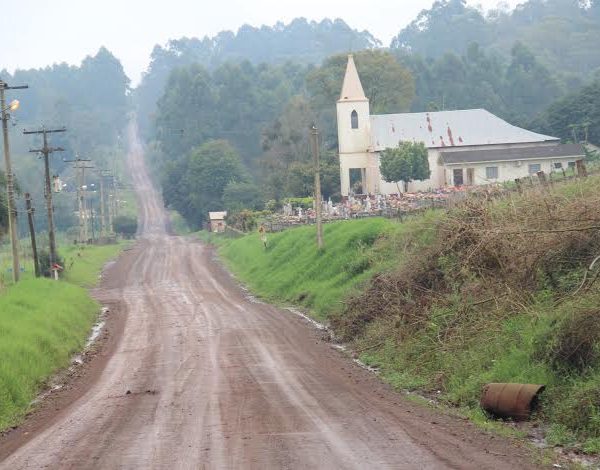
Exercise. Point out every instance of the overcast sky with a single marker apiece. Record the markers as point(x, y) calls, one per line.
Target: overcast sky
point(35, 33)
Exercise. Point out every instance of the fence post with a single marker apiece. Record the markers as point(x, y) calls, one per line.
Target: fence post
point(519, 184)
point(581, 169)
point(542, 177)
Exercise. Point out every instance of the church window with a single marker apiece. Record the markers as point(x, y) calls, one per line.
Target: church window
point(491, 172)
point(354, 119)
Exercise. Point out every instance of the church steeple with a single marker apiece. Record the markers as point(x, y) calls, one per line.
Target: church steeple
point(352, 89)
point(354, 134)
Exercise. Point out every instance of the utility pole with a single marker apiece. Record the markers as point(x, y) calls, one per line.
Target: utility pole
point(104, 174)
point(10, 188)
point(46, 151)
point(110, 214)
point(314, 134)
point(81, 200)
point(115, 197)
point(92, 221)
point(30, 211)
point(102, 212)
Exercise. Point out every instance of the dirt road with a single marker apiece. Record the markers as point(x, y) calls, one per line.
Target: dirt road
point(204, 377)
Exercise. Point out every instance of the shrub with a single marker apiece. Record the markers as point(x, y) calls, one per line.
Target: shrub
point(44, 260)
point(304, 202)
point(574, 344)
point(578, 408)
point(357, 266)
point(125, 225)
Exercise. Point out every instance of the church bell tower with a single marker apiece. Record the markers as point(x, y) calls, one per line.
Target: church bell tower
point(354, 135)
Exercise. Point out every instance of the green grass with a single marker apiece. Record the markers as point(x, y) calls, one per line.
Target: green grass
point(292, 270)
point(83, 263)
point(42, 323)
point(6, 267)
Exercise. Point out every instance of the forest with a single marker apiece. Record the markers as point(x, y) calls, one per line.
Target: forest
point(92, 102)
point(247, 98)
point(452, 56)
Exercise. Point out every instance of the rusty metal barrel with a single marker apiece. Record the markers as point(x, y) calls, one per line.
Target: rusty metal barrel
point(507, 400)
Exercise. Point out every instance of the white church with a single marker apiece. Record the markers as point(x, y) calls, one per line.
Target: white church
point(466, 147)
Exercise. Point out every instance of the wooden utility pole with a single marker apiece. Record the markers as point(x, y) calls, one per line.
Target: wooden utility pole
point(80, 168)
point(10, 189)
point(46, 151)
point(105, 227)
point(115, 197)
point(83, 196)
point(92, 221)
point(102, 210)
point(110, 214)
point(30, 211)
point(318, 205)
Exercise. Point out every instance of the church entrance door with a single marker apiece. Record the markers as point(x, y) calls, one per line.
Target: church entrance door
point(357, 180)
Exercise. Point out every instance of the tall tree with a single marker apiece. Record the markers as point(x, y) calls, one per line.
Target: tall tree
point(201, 179)
point(561, 33)
point(233, 102)
point(285, 143)
point(302, 41)
point(529, 85)
point(448, 26)
point(575, 117)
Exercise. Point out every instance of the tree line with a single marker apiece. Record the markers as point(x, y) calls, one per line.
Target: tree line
point(92, 101)
point(251, 95)
point(257, 91)
point(262, 114)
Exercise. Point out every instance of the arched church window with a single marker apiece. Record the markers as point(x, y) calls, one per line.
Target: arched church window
point(354, 119)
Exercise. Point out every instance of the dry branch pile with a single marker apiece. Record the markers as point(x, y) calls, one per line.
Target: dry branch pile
point(489, 254)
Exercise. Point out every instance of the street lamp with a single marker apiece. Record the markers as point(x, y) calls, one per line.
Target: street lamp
point(12, 106)
point(10, 190)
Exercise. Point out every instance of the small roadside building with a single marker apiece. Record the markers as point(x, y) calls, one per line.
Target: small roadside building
point(217, 221)
point(465, 147)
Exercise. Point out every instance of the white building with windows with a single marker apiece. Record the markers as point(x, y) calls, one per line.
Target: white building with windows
point(466, 147)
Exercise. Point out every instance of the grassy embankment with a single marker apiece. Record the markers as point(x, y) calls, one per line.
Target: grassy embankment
point(43, 323)
point(292, 270)
point(490, 292)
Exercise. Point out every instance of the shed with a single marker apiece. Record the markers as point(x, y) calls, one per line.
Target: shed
point(217, 221)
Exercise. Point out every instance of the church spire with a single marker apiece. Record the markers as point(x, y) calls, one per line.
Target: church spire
point(352, 89)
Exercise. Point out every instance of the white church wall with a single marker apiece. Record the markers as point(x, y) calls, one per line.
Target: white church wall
point(506, 171)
